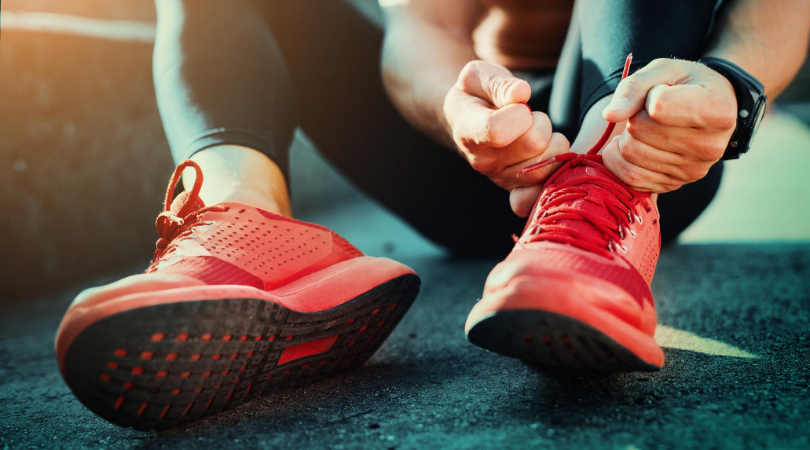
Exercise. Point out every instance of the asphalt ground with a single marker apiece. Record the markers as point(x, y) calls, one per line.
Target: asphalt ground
point(733, 323)
point(732, 297)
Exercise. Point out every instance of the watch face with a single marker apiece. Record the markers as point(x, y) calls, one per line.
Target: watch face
point(758, 113)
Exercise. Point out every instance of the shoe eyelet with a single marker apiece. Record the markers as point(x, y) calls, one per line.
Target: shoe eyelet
point(632, 233)
point(639, 219)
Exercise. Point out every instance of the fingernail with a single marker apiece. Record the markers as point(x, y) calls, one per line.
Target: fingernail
point(616, 104)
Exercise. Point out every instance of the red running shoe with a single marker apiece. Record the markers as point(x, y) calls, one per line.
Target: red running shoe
point(575, 291)
point(238, 302)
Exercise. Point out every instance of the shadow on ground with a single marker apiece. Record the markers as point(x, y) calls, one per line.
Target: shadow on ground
point(428, 387)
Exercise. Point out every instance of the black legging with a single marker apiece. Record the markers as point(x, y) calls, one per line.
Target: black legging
point(247, 73)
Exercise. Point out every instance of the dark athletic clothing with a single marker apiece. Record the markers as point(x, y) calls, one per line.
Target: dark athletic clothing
point(248, 73)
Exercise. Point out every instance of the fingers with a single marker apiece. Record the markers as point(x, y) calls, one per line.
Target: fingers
point(486, 105)
point(693, 144)
point(522, 199)
point(493, 161)
point(557, 145)
point(493, 83)
point(532, 143)
point(690, 106)
point(677, 167)
point(523, 196)
point(681, 116)
point(635, 176)
point(676, 93)
point(631, 94)
point(474, 122)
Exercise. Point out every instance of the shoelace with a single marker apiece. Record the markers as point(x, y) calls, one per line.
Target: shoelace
point(621, 203)
point(173, 227)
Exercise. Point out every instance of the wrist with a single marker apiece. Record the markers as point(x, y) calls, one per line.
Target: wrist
point(750, 99)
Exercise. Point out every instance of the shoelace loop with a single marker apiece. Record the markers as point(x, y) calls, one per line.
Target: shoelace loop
point(173, 227)
point(621, 202)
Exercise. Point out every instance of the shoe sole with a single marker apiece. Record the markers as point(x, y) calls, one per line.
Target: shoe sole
point(554, 339)
point(564, 319)
point(162, 365)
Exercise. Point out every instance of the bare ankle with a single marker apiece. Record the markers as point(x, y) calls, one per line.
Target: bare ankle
point(250, 197)
point(242, 175)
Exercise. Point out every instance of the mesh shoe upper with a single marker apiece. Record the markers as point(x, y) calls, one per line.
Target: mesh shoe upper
point(239, 244)
point(232, 243)
point(589, 222)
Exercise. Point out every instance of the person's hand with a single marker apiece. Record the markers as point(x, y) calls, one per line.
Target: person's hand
point(681, 117)
point(498, 134)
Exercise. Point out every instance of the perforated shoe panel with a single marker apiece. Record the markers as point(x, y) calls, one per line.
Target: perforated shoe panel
point(272, 248)
point(643, 242)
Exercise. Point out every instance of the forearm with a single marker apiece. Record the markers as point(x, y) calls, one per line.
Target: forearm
point(767, 38)
point(420, 63)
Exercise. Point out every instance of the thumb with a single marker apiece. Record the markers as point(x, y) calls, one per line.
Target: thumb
point(493, 83)
point(631, 94)
point(522, 199)
point(506, 90)
point(629, 99)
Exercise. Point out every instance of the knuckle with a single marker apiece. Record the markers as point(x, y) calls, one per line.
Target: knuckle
point(629, 149)
point(632, 176)
point(691, 173)
point(542, 122)
point(633, 83)
point(698, 172)
point(726, 116)
point(657, 110)
point(495, 136)
point(716, 152)
point(659, 63)
point(720, 114)
point(673, 186)
point(711, 151)
point(469, 74)
point(540, 134)
point(640, 125)
point(559, 143)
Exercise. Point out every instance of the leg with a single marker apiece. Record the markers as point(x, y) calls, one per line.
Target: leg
point(649, 30)
point(238, 301)
point(332, 53)
point(590, 311)
point(235, 105)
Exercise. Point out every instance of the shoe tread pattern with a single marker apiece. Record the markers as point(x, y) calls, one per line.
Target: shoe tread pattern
point(182, 379)
point(543, 337)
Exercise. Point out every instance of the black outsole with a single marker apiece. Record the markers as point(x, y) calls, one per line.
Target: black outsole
point(214, 355)
point(554, 339)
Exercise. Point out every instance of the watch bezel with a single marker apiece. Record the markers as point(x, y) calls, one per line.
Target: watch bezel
point(757, 116)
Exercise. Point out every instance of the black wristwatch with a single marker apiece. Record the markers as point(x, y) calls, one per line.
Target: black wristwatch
point(750, 104)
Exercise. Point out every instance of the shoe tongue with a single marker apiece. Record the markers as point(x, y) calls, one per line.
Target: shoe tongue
point(593, 203)
point(181, 206)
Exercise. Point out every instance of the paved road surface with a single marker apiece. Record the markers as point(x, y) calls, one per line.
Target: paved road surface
point(735, 320)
